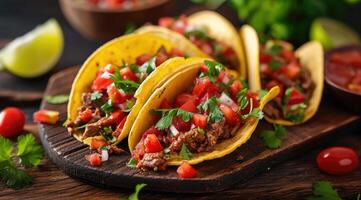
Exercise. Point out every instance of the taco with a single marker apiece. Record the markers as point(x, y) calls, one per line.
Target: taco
point(114, 83)
point(299, 74)
point(207, 30)
point(200, 113)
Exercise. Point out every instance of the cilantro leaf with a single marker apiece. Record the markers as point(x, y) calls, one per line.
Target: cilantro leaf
point(256, 113)
point(275, 65)
point(95, 96)
point(261, 94)
point(107, 108)
point(198, 33)
point(166, 120)
point(57, 99)
point(242, 98)
point(214, 68)
point(185, 153)
point(323, 190)
point(13, 177)
point(130, 104)
point(6, 149)
point(134, 68)
point(29, 152)
point(274, 50)
point(132, 163)
point(185, 115)
point(273, 138)
point(135, 195)
point(107, 134)
point(127, 86)
point(148, 66)
point(214, 114)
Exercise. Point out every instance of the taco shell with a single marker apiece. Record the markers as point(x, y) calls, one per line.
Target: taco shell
point(311, 57)
point(169, 90)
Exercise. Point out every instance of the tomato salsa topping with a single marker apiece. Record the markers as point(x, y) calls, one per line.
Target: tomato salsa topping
point(199, 36)
point(117, 4)
point(344, 69)
point(203, 115)
point(109, 100)
point(279, 66)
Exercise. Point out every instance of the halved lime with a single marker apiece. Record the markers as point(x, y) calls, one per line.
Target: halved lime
point(331, 33)
point(34, 53)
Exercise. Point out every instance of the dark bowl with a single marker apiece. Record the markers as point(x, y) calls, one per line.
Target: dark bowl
point(349, 99)
point(104, 24)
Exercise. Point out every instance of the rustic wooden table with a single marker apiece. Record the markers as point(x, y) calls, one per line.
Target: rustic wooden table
point(290, 180)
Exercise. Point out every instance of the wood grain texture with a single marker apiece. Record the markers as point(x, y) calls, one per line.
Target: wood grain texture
point(215, 175)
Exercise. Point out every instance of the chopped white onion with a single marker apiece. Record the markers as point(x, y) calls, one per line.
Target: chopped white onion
point(226, 100)
point(123, 106)
point(106, 75)
point(105, 155)
point(225, 79)
point(173, 130)
point(193, 126)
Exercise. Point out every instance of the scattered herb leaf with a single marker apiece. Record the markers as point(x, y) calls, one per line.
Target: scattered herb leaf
point(324, 190)
point(273, 138)
point(57, 99)
point(214, 68)
point(211, 106)
point(185, 153)
point(166, 119)
point(132, 163)
point(135, 195)
point(29, 152)
point(107, 108)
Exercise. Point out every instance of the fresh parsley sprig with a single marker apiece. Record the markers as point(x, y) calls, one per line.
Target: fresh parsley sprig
point(273, 138)
point(29, 153)
point(149, 66)
point(127, 86)
point(135, 195)
point(169, 114)
point(214, 68)
point(211, 106)
point(185, 153)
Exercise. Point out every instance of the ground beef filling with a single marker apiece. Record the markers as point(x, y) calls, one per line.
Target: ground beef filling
point(274, 108)
point(195, 141)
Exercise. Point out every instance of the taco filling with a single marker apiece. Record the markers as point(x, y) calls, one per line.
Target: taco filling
point(201, 116)
point(106, 105)
point(279, 66)
point(198, 35)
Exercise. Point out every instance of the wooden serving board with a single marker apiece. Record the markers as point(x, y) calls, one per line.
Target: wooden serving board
point(247, 161)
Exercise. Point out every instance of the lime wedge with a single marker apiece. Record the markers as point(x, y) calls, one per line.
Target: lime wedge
point(331, 33)
point(34, 53)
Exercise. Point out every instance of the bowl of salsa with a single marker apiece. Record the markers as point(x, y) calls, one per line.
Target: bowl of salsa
point(343, 75)
point(107, 19)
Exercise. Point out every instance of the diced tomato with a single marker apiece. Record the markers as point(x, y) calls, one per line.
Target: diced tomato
point(265, 58)
point(115, 3)
point(12, 121)
point(93, 2)
point(161, 57)
point(176, 52)
point(207, 48)
point(185, 170)
point(185, 97)
point(296, 97)
point(200, 120)
point(46, 116)
point(181, 125)
point(117, 116)
point(110, 68)
point(152, 144)
point(221, 75)
point(232, 117)
point(189, 106)
point(94, 159)
point(116, 96)
point(292, 70)
point(165, 104)
point(204, 68)
point(101, 82)
point(127, 74)
point(153, 130)
point(97, 143)
point(166, 22)
point(236, 86)
point(143, 59)
point(288, 55)
point(201, 86)
point(86, 115)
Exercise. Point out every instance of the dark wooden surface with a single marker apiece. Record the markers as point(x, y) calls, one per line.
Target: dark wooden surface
point(247, 161)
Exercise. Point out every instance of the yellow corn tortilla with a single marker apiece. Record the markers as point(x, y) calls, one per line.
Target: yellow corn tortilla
point(125, 49)
point(217, 27)
point(311, 57)
point(169, 90)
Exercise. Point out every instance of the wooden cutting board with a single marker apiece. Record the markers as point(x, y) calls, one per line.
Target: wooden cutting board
point(247, 161)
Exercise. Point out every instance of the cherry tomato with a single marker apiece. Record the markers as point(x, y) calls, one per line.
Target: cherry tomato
point(12, 121)
point(152, 144)
point(86, 115)
point(232, 117)
point(185, 170)
point(200, 120)
point(46, 116)
point(181, 125)
point(189, 106)
point(94, 159)
point(337, 160)
point(97, 143)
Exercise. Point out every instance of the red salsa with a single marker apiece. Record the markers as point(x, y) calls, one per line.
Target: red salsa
point(118, 4)
point(344, 69)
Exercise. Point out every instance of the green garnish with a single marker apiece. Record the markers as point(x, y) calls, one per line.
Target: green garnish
point(201, 131)
point(296, 113)
point(273, 138)
point(132, 163)
point(210, 106)
point(185, 153)
point(169, 114)
point(130, 105)
point(149, 66)
point(323, 190)
point(127, 86)
point(95, 96)
point(242, 98)
point(214, 68)
point(135, 195)
point(274, 50)
point(275, 65)
point(261, 94)
point(107, 134)
point(198, 33)
point(81, 127)
point(29, 153)
point(185, 115)
point(130, 28)
point(57, 99)
point(134, 68)
point(107, 108)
